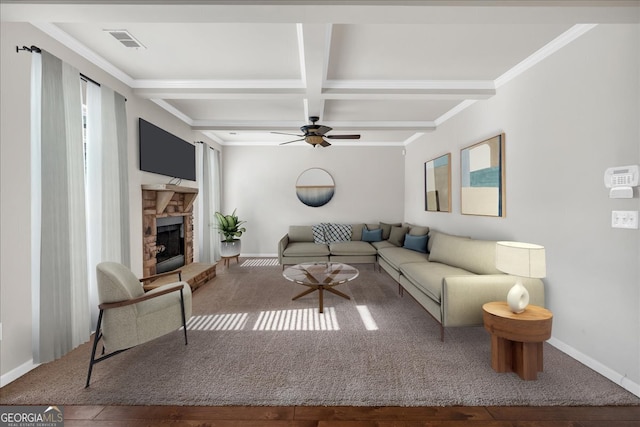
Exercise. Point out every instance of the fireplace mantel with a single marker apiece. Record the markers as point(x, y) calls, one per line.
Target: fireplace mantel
point(165, 192)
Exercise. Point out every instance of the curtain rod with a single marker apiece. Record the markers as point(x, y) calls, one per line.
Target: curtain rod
point(36, 49)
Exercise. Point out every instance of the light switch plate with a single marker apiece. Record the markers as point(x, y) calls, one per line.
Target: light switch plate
point(624, 219)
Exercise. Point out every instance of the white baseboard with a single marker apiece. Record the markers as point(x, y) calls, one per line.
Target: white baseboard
point(603, 370)
point(16, 373)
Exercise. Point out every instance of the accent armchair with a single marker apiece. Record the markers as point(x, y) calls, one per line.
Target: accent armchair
point(129, 316)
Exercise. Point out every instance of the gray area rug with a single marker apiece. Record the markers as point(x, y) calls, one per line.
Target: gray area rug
point(249, 344)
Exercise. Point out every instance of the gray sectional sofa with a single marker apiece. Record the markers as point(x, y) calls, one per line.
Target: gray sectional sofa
point(451, 277)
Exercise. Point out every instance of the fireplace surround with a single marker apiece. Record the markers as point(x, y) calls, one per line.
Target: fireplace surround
point(169, 207)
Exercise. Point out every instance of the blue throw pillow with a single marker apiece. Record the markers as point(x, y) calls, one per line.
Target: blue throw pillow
point(416, 243)
point(372, 235)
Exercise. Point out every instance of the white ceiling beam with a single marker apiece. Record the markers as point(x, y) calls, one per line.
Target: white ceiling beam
point(314, 57)
point(255, 125)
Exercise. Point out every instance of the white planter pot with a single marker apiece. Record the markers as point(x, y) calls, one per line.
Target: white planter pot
point(230, 249)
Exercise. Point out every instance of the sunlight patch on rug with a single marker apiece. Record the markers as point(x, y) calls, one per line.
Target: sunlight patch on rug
point(218, 322)
point(260, 262)
point(306, 319)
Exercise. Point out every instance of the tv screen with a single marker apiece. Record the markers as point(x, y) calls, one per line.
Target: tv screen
point(164, 153)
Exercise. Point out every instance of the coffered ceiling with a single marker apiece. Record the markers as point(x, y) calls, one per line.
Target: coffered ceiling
point(389, 70)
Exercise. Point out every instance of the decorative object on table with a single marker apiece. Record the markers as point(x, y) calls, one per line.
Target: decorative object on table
point(315, 187)
point(521, 260)
point(482, 167)
point(437, 184)
point(229, 226)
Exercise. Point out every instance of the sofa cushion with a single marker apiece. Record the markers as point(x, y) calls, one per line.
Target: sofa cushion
point(417, 230)
point(416, 243)
point(351, 248)
point(300, 233)
point(371, 235)
point(386, 229)
point(428, 276)
point(295, 249)
point(356, 231)
point(476, 256)
point(382, 244)
point(396, 235)
point(397, 256)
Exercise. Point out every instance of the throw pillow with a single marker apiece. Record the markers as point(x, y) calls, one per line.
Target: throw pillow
point(372, 235)
point(386, 229)
point(396, 235)
point(337, 232)
point(318, 234)
point(416, 243)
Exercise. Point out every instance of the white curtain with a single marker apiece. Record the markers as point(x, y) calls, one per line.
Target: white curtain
point(59, 266)
point(107, 183)
point(209, 189)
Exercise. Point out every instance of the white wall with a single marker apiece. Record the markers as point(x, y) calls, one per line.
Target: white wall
point(566, 120)
point(15, 271)
point(260, 183)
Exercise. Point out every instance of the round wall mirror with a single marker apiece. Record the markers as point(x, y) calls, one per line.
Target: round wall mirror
point(315, 187)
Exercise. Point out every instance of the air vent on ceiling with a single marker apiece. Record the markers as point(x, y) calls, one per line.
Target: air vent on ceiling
point(124, 37)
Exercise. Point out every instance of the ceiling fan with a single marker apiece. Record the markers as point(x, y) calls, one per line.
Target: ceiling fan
point(315, 134)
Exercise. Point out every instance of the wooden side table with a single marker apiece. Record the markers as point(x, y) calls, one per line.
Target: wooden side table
point(516, 339)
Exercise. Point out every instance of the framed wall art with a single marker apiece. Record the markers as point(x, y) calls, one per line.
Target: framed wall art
point(315, 187)
point(437, 184)
point(482, 168)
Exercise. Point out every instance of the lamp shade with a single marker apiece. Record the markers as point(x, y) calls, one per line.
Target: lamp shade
point(521, 259)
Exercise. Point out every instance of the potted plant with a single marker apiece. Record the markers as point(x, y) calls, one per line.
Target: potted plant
point(229, 226)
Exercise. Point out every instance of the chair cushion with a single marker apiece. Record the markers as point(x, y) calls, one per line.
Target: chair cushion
point(116, 283)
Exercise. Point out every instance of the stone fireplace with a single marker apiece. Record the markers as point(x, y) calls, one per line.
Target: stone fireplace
point(167, 227)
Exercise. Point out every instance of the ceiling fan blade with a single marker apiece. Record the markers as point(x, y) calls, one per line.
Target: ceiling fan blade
point(322, 130)
point(325, 144)
point(289, 142)
point(343, 136)
point(292, 134)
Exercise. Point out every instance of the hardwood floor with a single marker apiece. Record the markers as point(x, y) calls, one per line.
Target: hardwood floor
point(319, 416)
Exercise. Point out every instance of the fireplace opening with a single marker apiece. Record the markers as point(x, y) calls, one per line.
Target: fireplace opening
point(169, 244)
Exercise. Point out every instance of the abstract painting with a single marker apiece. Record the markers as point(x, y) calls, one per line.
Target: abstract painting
point(482, 167)
point(437, 184)
point(315, 187)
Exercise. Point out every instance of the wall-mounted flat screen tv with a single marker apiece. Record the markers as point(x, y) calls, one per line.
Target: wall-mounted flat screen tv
point(164, 153)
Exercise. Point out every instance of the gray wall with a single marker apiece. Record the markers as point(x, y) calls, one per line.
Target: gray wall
point(260, 183)
point(566, 120)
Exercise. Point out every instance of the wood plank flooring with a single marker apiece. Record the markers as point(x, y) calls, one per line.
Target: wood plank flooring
point(348, 416)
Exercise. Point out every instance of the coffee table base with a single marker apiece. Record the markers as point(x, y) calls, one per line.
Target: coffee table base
point(320, 289)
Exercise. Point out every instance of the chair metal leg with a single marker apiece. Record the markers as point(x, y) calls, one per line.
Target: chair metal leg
point(96, 338)
point(184, 319)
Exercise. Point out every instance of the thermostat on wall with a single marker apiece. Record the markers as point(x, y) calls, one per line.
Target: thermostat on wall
point(621, 180)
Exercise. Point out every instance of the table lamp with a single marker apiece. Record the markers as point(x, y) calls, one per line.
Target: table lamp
point(520, 260)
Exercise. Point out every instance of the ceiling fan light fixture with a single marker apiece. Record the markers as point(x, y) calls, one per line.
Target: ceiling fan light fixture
point(314, 139)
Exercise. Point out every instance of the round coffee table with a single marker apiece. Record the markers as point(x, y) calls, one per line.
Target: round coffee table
point(320, 276)
point(516, 339)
